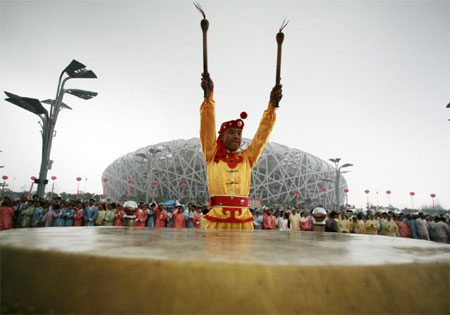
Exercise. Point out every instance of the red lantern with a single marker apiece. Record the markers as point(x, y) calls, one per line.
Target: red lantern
point(105, 180)
point(130, 181)
point(79, 179)
point(5, 177)
point(324, 189)
point(33, 177)
point(412, 193)
point(297, 192)
point(53, 177)
point(367, 191)
point(388, 192)
point(346, 190)
point(183, 185)
point(154, 183)
point(433, 195)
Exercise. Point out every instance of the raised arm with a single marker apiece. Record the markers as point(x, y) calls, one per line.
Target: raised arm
point(208, 119)
point(265, 126)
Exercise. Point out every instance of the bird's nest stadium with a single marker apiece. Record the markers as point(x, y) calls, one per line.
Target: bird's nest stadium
point(178, 169)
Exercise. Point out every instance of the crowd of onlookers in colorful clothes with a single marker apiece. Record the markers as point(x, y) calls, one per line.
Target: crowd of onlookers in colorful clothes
point(38, 212)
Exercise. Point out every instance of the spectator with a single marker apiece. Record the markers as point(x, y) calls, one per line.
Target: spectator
point(403, 229)
point(6, 215)
point(141, 215)
point(21, 206)
point(344, 223)
point(269, 220)
point(283, 222)
point(79, 215)
point(372, 225)
point(90, 213)
point(197, 218)
point(306, 222)
point(100, 214)
point(47, 219)
point(108, 219)
point(27, 215)
point(151, 216)
point(58, 218)
point(412, 225)
point(390, 228)
point(294, 220)
point(442, 230)
point(161, 216)
point(422, 227)
point(68, 214)
point(331, 224)
point(258, 220)
point(179, 220)
point(118, 215)
point(37, 214)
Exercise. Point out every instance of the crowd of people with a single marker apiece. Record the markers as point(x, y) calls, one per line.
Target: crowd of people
point(38, 212)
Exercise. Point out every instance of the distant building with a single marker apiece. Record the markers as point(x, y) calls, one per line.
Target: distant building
point(280, 171)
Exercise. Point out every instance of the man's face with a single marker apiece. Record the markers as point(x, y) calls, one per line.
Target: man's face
point(232, 138)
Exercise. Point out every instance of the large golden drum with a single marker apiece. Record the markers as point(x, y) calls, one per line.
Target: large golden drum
point(137, 270)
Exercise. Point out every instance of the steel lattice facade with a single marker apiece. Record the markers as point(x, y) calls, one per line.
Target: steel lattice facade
point(280, 171)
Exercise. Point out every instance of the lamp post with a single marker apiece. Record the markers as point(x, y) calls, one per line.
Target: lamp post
point(338, 169)
point(53, 187)
point(388, 193)
point(367, 193)
point(154, 183)
point(78, 187)
point(324, 190)
point(4, 183)
point(432, 198)
point(75, 70)
point(33, 178)
point(183, 186)
point(346, 198)
point(105, 180)
point(130, 181)
point(412, 193)
point(297, 193)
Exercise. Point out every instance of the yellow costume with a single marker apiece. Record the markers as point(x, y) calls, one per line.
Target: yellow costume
point(231, 178)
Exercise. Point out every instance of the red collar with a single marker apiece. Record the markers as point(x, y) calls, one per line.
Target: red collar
point(231, 158)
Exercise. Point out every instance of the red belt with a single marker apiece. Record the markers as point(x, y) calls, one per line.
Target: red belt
point(228, 201)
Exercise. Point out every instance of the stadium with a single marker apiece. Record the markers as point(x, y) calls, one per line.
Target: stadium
point(179, 169)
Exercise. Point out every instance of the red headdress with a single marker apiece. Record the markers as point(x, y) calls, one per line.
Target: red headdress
point(221, 153)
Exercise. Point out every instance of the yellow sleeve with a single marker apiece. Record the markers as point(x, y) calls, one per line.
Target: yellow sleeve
point(208, 128)
point(261, 137)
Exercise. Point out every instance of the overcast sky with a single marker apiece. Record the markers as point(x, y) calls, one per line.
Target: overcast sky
point(366, 81)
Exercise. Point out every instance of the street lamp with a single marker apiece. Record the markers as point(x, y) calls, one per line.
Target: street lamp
point(75, 70)
point(338, 178)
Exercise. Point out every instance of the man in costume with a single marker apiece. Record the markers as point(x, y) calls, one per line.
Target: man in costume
point(229, 170)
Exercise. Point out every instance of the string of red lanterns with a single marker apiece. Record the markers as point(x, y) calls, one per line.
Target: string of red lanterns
point(105, 180)
point(53, 187)
point(130, 181)
point(4, 183)
point(154, 183)
point(324, 189)
point(296, 202)
point(183, 186)
point(346, 198)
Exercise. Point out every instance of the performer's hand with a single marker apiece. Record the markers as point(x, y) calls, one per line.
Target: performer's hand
point(207, 84)
point(276, 94)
